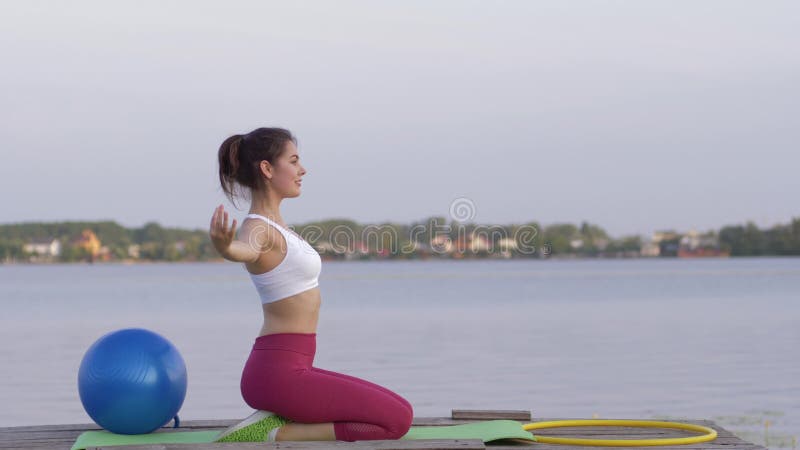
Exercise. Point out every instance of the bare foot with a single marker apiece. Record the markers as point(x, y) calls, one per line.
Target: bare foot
point(306, 432)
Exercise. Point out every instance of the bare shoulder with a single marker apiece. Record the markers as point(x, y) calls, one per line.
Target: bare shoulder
point(267, 240)
point(260, 235)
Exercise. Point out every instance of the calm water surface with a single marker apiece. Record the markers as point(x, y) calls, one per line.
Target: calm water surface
point(714, 339)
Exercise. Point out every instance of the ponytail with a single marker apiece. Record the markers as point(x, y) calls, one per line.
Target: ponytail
point(229, 164)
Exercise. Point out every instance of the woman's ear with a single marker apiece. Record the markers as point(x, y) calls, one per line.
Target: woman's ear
point(266, 169)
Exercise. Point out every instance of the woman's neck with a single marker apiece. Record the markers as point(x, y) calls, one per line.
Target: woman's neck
point(266, 213)
point(266, 205)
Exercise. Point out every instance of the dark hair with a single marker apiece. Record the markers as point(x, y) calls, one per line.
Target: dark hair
point(240, 158)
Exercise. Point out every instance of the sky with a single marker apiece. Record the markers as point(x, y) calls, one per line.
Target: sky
point(635, 116)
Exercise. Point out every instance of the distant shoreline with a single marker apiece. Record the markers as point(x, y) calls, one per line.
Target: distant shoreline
point(433, 238)
point(337, 260)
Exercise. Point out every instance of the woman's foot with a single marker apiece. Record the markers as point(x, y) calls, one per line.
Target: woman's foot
point(306, 432)
point(255, 428)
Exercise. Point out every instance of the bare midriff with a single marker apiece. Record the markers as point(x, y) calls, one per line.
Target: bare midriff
point(296, 314)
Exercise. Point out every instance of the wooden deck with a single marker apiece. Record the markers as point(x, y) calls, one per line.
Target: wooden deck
point(53, 437)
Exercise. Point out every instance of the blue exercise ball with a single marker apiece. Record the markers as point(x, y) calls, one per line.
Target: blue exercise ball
point(132, 381)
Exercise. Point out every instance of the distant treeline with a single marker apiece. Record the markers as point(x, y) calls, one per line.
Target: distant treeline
point(749, 240)
point(152, 241)
point(339, 238)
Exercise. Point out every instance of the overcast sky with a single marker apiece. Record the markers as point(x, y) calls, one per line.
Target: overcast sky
point(636, 116)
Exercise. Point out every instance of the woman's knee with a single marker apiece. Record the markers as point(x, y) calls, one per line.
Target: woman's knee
point(401, 423)
point(407, 405)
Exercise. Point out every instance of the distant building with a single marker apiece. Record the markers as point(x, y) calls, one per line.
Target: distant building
point(50, 247)
point(327, 248)
point(507, 244)
point(413, 247)
point(134, 251)
point(650, 248)
point(667, 242)
point(361, 248)
point(180, 246)
point(358, 250)
point(479, 243)
point(442, 244)
point(703, 252)
point(104, 254)
point(659, 236)
point(696, 245)
point(89, 243)
point(693, 240)
point(690, 240)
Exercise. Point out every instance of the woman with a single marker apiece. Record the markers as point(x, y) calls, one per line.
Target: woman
point(293, 399)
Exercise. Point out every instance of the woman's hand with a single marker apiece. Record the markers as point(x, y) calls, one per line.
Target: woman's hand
point(221, 236)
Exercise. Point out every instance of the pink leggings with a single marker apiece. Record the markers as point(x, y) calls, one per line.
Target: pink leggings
point(279, 377)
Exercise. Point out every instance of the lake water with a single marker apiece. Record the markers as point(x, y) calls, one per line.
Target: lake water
point(664, 338)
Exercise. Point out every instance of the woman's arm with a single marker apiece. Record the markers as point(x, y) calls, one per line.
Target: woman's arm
point(224, 242)
point(240, 252)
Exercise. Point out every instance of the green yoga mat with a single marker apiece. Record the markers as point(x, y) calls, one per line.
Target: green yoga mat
point(488, 430)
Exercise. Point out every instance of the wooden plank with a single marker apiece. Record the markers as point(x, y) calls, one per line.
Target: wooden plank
point(76, 426)
point(62, 436)
point(49, 447)
point(426, 444)
point(66, 434)
point(490, 414)
point(40, 431)
point(460, 416)
point(495, 445)
point(721, 441)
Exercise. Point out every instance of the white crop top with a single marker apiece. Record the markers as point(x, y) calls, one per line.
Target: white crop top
point(299, 271)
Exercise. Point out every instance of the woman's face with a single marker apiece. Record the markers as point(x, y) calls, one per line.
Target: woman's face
point(287, 172)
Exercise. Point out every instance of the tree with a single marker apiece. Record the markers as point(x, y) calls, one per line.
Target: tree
point(560, 236)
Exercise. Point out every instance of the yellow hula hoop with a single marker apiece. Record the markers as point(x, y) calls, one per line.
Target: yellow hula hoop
point(710, 433)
